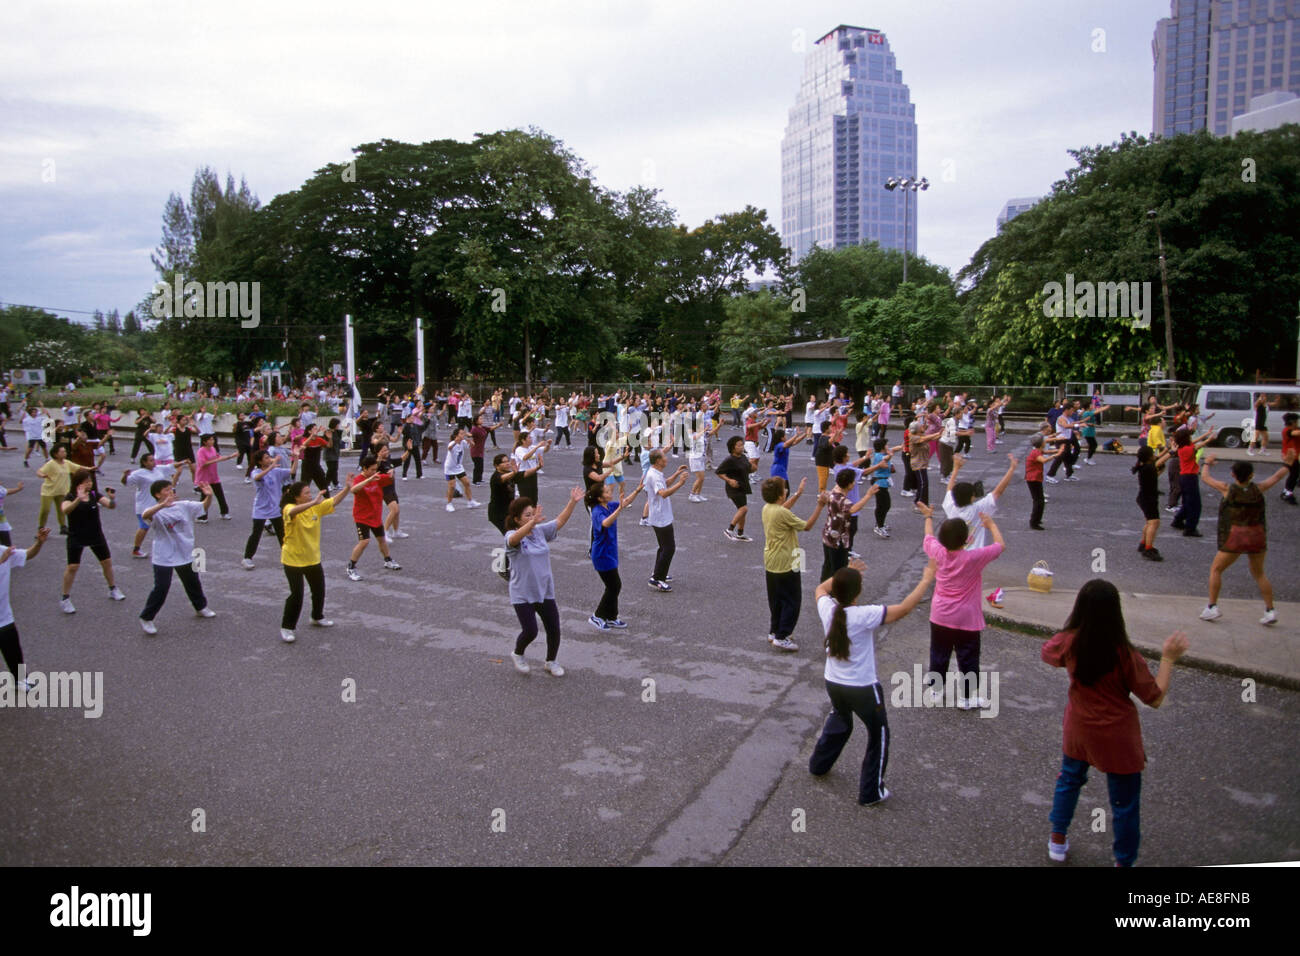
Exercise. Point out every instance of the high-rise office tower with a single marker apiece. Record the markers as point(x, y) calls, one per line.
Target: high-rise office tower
point(852, 127)
point(1212, 56)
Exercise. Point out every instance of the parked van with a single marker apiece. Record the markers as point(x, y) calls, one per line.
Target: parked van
point(1233, 408)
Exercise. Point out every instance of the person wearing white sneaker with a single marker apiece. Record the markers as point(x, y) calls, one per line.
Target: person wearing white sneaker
point(270, 478)
point(604, 545)
point(1101, 726)
point(172, 523)
point(10, 558)
point(850, 674)
point(368, 512)
point(696, 455)
point(659, 490)
point(81, 508)
point(781, 527)
point(453, 467)
point(300, 553)
point(1242, 529)
point(532, 586)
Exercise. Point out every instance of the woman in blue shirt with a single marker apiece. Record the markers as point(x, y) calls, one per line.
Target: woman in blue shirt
point(781, 452)
point(604, 549)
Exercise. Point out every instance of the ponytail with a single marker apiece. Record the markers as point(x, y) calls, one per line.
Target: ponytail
point(846, 585)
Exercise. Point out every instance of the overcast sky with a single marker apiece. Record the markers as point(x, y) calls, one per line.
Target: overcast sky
point(106, 107)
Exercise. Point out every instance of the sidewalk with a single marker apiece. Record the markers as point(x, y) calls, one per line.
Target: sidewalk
point(1235, 644)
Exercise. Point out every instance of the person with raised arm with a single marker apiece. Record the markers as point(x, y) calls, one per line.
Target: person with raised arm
point(850, 674)
point(173, 550)
point(532, 586)
point(1242, 530)
point(300, 552)
point(85, 531)
point(1102, 728)
point(604, 549)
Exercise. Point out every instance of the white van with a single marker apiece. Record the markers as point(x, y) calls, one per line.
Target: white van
point(1233, 408)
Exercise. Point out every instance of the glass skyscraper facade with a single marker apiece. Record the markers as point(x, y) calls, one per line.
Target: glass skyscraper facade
point(852, 127)
point(1212, 56)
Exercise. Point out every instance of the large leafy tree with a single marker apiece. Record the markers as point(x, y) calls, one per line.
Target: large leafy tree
point(754, 326)
point(906, 336)
point(825, 279)
point(1229, 213)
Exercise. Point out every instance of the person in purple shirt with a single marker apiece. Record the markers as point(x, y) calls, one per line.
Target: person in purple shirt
point(270, 477)
point(956, 614)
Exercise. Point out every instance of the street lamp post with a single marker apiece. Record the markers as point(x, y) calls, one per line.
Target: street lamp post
point(908, 186)
point(1164, 292)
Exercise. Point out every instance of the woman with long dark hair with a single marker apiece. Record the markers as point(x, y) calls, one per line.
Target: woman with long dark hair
point(1102, 728)
point(850, 673)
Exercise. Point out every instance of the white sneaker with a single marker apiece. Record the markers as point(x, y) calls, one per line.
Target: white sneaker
point(972, 703)
point(1269, 617)
point(400, 534)
point(1211, 614)
point(388, 536)
point(148, 627)
point(644, 522)
point(354, 574)
point(247, 564)
point(287, 635)
point(116, 594)
point(475, 504)
point(553, 668)
point(785, 645)
point(701, 498)
point(207, 612)
point(692, 498)
point(521, 665)
point(1057, 851)
point(225, 518)
point(323, 622)
point(65, 605)
point(1051, 481)
point(404, 478)
point(450, 506)
point(392, 565)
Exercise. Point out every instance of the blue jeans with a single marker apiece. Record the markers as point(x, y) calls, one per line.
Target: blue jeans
point(1125, 799)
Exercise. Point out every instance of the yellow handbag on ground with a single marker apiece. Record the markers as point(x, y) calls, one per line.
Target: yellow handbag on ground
point(1040, 578)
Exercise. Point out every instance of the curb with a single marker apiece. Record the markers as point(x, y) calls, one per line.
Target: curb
point(1271, 678)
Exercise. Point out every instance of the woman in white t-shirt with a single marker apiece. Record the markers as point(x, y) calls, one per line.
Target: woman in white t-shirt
point(453, 468)
point(850, 673)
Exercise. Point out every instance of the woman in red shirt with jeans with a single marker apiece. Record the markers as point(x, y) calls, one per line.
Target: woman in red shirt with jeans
point(1189, 472)
point(1102, 729)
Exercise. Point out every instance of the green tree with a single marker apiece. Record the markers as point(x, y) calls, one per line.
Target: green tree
point(907, 336)
point(827, 278)
point(754, 326)
point(1231, 233)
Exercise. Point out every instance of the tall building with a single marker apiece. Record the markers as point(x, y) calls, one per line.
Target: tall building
point(852, 127)
point(1212, 56)
point(1014, 207)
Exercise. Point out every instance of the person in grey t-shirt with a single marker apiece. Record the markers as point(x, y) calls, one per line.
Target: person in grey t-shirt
point(532, 589)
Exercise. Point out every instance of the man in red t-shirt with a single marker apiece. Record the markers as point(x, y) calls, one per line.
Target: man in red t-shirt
point(368, 514)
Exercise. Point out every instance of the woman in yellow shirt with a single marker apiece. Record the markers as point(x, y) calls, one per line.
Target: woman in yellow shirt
point(300, 553)
point(57, 473)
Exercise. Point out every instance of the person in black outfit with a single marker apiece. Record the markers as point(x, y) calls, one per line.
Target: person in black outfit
point(142, 425)
point(84, 531)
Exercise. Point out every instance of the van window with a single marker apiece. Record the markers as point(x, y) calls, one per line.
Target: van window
point(1228, 401)
point(1285, 402)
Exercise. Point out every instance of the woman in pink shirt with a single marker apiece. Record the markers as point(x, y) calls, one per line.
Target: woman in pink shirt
point(104, 425)
point(956, 613)
point(206, 459)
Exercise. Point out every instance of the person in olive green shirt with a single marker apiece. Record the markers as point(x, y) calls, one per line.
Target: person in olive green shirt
point(57, 473)
point(781, 528)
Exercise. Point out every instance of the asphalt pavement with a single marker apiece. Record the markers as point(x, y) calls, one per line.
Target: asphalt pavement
point(682, 740)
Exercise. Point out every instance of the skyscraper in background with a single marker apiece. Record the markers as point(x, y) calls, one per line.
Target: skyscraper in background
point(1212, 56)
point(852, 127)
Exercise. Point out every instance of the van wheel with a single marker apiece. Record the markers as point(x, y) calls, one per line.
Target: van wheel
point(1230, 438)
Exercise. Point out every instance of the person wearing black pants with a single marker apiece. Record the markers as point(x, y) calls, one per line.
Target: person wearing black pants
point(10, 647)
point(660, 489)
point(300, 554)
point(334, 437)
point(532, 585)
point(851, 682)
point(142, 425)
point(604, 548)
point(241, 440)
